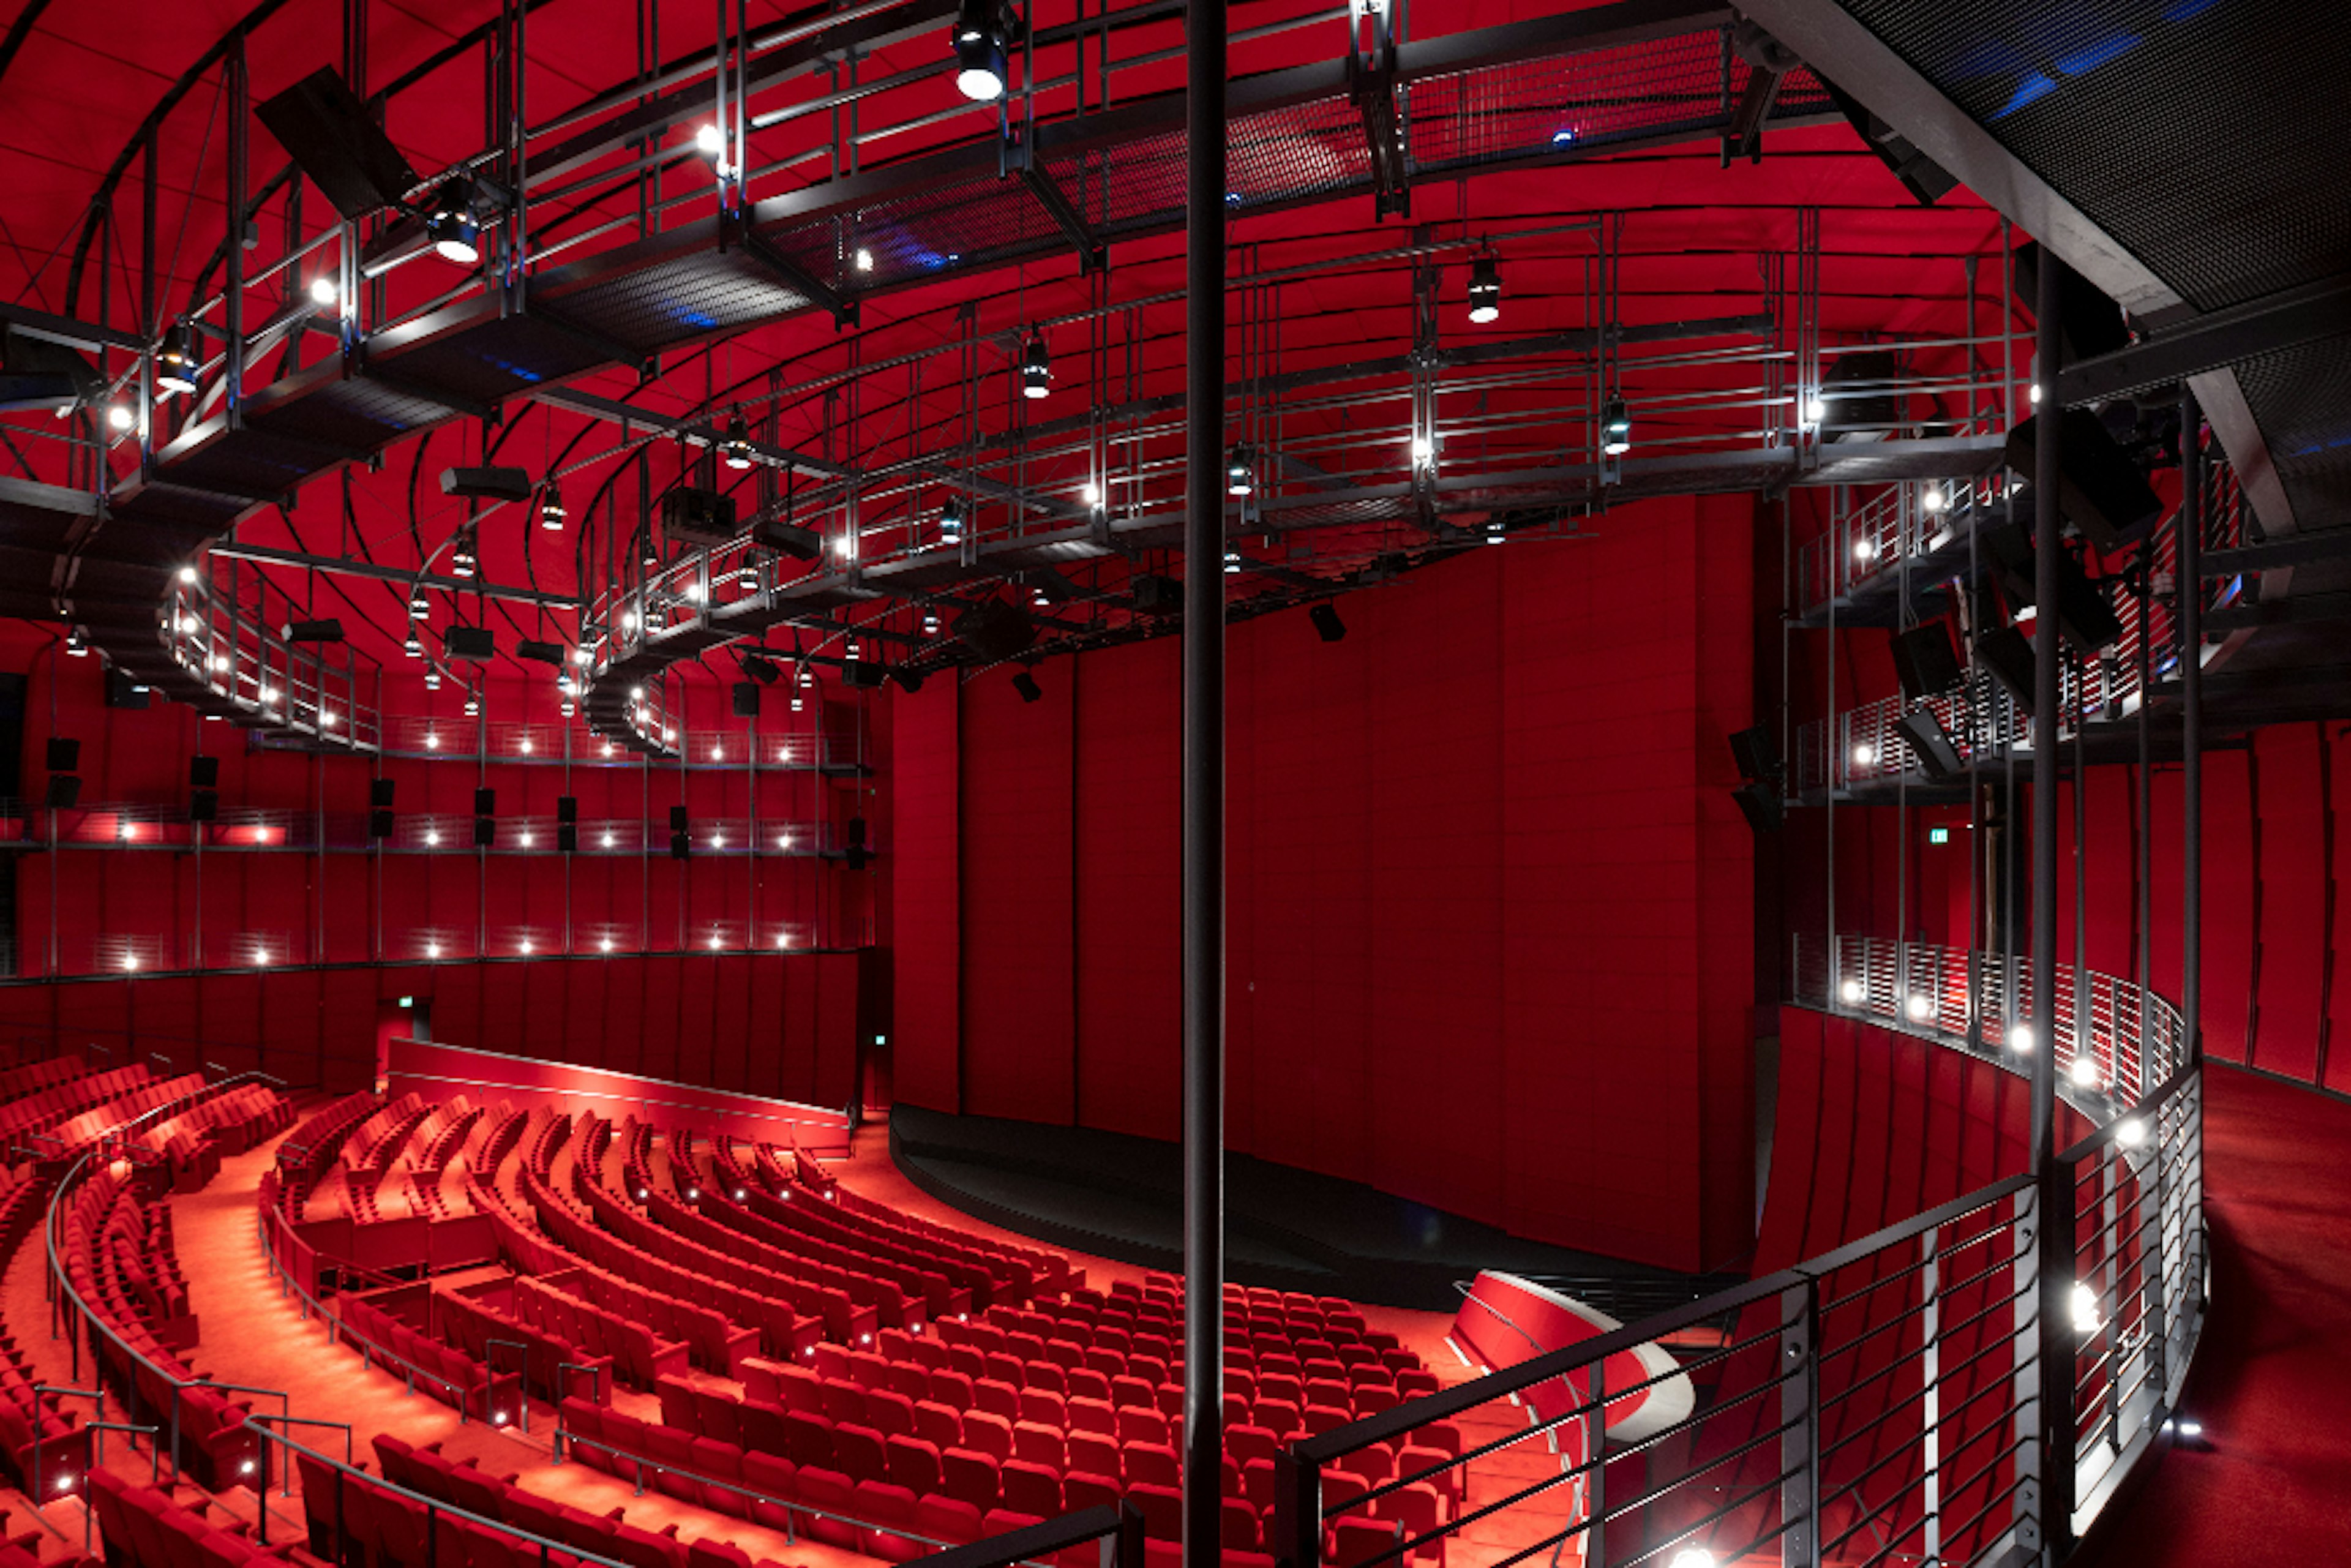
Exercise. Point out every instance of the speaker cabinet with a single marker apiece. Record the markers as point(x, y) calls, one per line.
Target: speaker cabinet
point(1925, 662)
point(2103, 492)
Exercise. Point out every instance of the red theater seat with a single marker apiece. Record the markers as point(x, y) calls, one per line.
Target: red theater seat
point(913, 1464)
point(1162, 1508)
point(1031, 1488)
point(972, 1477)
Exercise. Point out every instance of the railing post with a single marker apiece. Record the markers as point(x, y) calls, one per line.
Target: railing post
point(1595, 1454)
point(1800, 1417)
point(1297, 1510)
point(1930, 1408)
point(2154, 1203)
point(1122, 1548)
point(2024, 1357)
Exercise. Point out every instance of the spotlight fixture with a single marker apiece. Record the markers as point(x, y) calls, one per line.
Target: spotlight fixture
point(119, 417)
point(1863, 550)
point(863, 259)
point(1615, 427)
point(414, 647)
point(74, 644)
point(1327, 624)
point(951, 521)
point(1816, 409)
point(1239, 463)
point(1495, 532)
point(1423, 450)
point(2130, 1132)
point(1693, 1557)
point(1850, 992)
point(455, 230)
point(1039, 599)
point(2085, 1308)
point(979, 45)
point(417, 603)
point(323, 292)
point(472, 705)
point(175, 362)
point(1035, 367)
point(1485, 290)
point(1931, 499)
point(2020, 1036)
point(187, 574)
point(930, 623)
point(432, 680)
point(1232, 563)
point(551, 510)
point(1864, 755)
point(737, 445)
point(462, 560)
point(1920, 1007)
point(1091, 494)
point(1026, 685)
point(709, 141)
point(2085, 1071)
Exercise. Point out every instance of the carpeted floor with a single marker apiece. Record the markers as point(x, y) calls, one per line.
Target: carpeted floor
point(2271, 1384)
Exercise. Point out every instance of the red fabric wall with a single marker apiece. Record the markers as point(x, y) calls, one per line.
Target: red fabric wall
point(784, 1026)
point(1489, 899)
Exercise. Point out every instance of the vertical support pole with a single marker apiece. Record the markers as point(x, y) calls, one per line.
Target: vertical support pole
point(1204, 786)
point(1596, 1486)
point(1800, 1416)
point(234, 303)
point(2191, 587)
point(1297, 1510)
point(1930, 1407)
point(2055, 1205)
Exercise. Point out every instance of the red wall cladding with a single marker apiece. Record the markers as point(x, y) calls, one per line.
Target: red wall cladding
point(785, 1026)
point(1489, 898)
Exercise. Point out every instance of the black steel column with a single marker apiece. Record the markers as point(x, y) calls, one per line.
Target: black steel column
point(2192, 710)
point(1204, 786)
point(2054, 1193)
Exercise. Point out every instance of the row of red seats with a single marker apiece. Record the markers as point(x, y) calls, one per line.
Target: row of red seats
point(635, 1355)
point(386, 1526)
point(942, 1294)
point(550, 1360)
point(31, 1077)
point(716, 1343)
point(140, 1264)
point(231, 1122)
point(216, 1448)
point(446, 1372)
point(64, 1443)
point(1047, 1273)
point(784, 1332)
point(143, 1528)
point(980, 1281)
point(27, 1120)
point(305, 1155)
point(856, 1295)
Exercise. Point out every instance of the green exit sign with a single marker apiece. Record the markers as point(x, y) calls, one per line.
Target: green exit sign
point(1938, 835)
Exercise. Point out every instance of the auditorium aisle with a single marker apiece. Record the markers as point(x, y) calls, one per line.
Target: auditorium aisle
point(2272, 1386)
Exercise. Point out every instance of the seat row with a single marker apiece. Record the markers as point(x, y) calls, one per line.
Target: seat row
point(62, 1447)
point(552, 1365)
point(143, 1528)
point(638, 1357)
point(27, 1119)
point(446, 1372)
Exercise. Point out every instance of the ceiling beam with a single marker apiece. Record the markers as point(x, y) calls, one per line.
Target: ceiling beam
point(338, 566)
point(2286, 319)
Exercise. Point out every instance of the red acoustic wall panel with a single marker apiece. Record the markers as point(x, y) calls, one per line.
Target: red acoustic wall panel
point(1489, 899)
point(926, 912)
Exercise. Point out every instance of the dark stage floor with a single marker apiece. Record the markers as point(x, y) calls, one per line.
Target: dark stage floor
point(1123, 1197)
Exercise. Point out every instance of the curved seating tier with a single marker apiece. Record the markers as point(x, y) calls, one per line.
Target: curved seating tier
point(62, 1447)
point(143, 1528)
point(458, 1374)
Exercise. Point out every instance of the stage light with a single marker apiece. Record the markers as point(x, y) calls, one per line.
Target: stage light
point(268, 697)
point(1327, 624)
point(636, 694)
point(2084, 1072)
point(1026, 685)
point(605, 945)
point(980, 63)
point(472, 705)
point(1495, 533)
point(526, 746)
point(1035, 367)
point(1485, 290)
point(930, 624)
point(718, 841)
point(323, 292)
point(1232, 563)
point(462, 560)
point(187, 574)
point(951, 521)
point(220, 664)
point(1037, 599)
point(432, 839)
point(1920, 1008)
point(864, 259)
point(2019, 1037)
point(1931, 499)
point(1864, 755)
point(1563, 136)
point(1239, 463)
point(75, 646)
point(1863, 550)
point(551, 510)
point(2035, 396)
point(718, 754)
point(737, 445)
point(2130, 1132)
point(1851, 991)
point(118, 417)
point(2085, 1308)
point(526, 946)
point(2191, 1428)
point(327, 718)
point(783, 938)
point(714, 947)
point(412, 647)
point(1615, 427)
point(1091, 495)
point(1423, 450)
point(1816, 409)
point(709, 141)
point(130, 960)
point(432, 949)
point(176, 362)
point(525, 840)
point(417, 603)
point(783, 840)
point(456, 233)
point(1693, 1557)
point(695, 592)
point(844, 545)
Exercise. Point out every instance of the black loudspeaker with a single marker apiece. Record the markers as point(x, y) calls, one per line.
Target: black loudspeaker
point(64, 754)
point(1756, 753)
point(1327, 624)
point(203, 773)
point(677, 847)
point(121, 691)
point(2103, 493)
point(747, 699)
point(677, 819)
point(1760, 804)
point(567, 837)
point(2094, 324)
point(326, 631)
point(2083, 617)
point(478, 643)
point(64, 789)
point(863, 674)
point(333, 138)
point(491, 483)
point(787, 538)
point(203, 806)
point(854, 859)
point(1875, 406)
point(993, 631)
point(1932, 745)
point(1155, 595)
point(762, 670)
point(1926, 180)
point(380, 792)
point(855, 831)
point(911, 680)
point(486, 802)
point(486, 833)
point(702, 516)
point(2007, 653)
point(567, 808)
point(540, 652)
point(1924, 660)
point(380, 824)
point(1026, 685)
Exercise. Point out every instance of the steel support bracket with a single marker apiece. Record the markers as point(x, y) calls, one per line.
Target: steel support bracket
point(733, 230)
